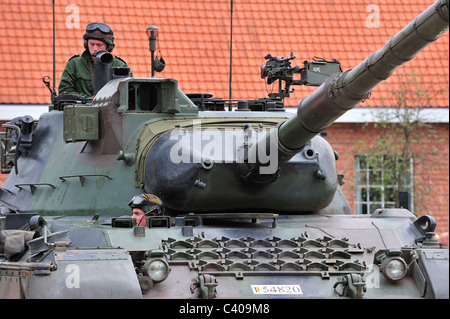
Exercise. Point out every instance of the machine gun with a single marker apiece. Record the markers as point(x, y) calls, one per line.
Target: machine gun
point(312, 74)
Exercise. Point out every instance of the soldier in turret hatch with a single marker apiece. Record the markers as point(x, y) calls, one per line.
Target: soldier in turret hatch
point(78, 76)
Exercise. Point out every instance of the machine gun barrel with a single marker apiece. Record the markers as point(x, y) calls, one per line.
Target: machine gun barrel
point(343, 91)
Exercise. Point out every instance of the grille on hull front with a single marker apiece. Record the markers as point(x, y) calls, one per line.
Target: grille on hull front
point(324, 256)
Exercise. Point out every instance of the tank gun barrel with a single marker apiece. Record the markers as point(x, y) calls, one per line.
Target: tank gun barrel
point(343, 91)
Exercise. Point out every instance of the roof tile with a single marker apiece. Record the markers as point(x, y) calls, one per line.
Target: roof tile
point(194, 41)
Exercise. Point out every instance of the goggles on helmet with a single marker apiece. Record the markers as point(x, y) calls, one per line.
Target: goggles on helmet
point(137, 201)
point(99, 26)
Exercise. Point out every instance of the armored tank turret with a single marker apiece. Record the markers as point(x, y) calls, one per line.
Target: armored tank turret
point(248, 201)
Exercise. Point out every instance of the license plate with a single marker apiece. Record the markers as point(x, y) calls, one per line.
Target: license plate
point(276, 289)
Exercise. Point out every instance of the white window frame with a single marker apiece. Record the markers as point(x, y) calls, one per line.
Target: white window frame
point(370, 195)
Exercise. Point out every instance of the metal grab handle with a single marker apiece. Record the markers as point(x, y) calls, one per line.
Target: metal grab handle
point(33, 186)
point(82, 177)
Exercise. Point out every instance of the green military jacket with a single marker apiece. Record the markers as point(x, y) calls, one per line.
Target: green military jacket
point(78, 76)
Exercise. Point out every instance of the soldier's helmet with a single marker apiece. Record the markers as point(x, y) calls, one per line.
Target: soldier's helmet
point(147, 202)
point(99, 31)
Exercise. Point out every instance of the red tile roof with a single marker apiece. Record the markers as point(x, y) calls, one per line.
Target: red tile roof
point(194, 41)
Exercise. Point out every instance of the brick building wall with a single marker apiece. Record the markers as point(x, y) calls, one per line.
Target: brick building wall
point(431, 173)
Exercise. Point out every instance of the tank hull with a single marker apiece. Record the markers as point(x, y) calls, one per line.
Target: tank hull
point(261, 257)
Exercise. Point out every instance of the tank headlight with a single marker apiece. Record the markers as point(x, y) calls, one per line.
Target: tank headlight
point(394, 268)
point(157, 269)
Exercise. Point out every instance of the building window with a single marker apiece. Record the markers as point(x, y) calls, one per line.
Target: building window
point(376, 183)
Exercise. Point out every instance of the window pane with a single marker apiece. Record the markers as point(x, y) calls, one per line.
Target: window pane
point(376, 179)
point(389, 195)
point(364, 196)
point(375, 195)
point(363, 209)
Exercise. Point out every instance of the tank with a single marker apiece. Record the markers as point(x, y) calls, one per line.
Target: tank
point(253, 205)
